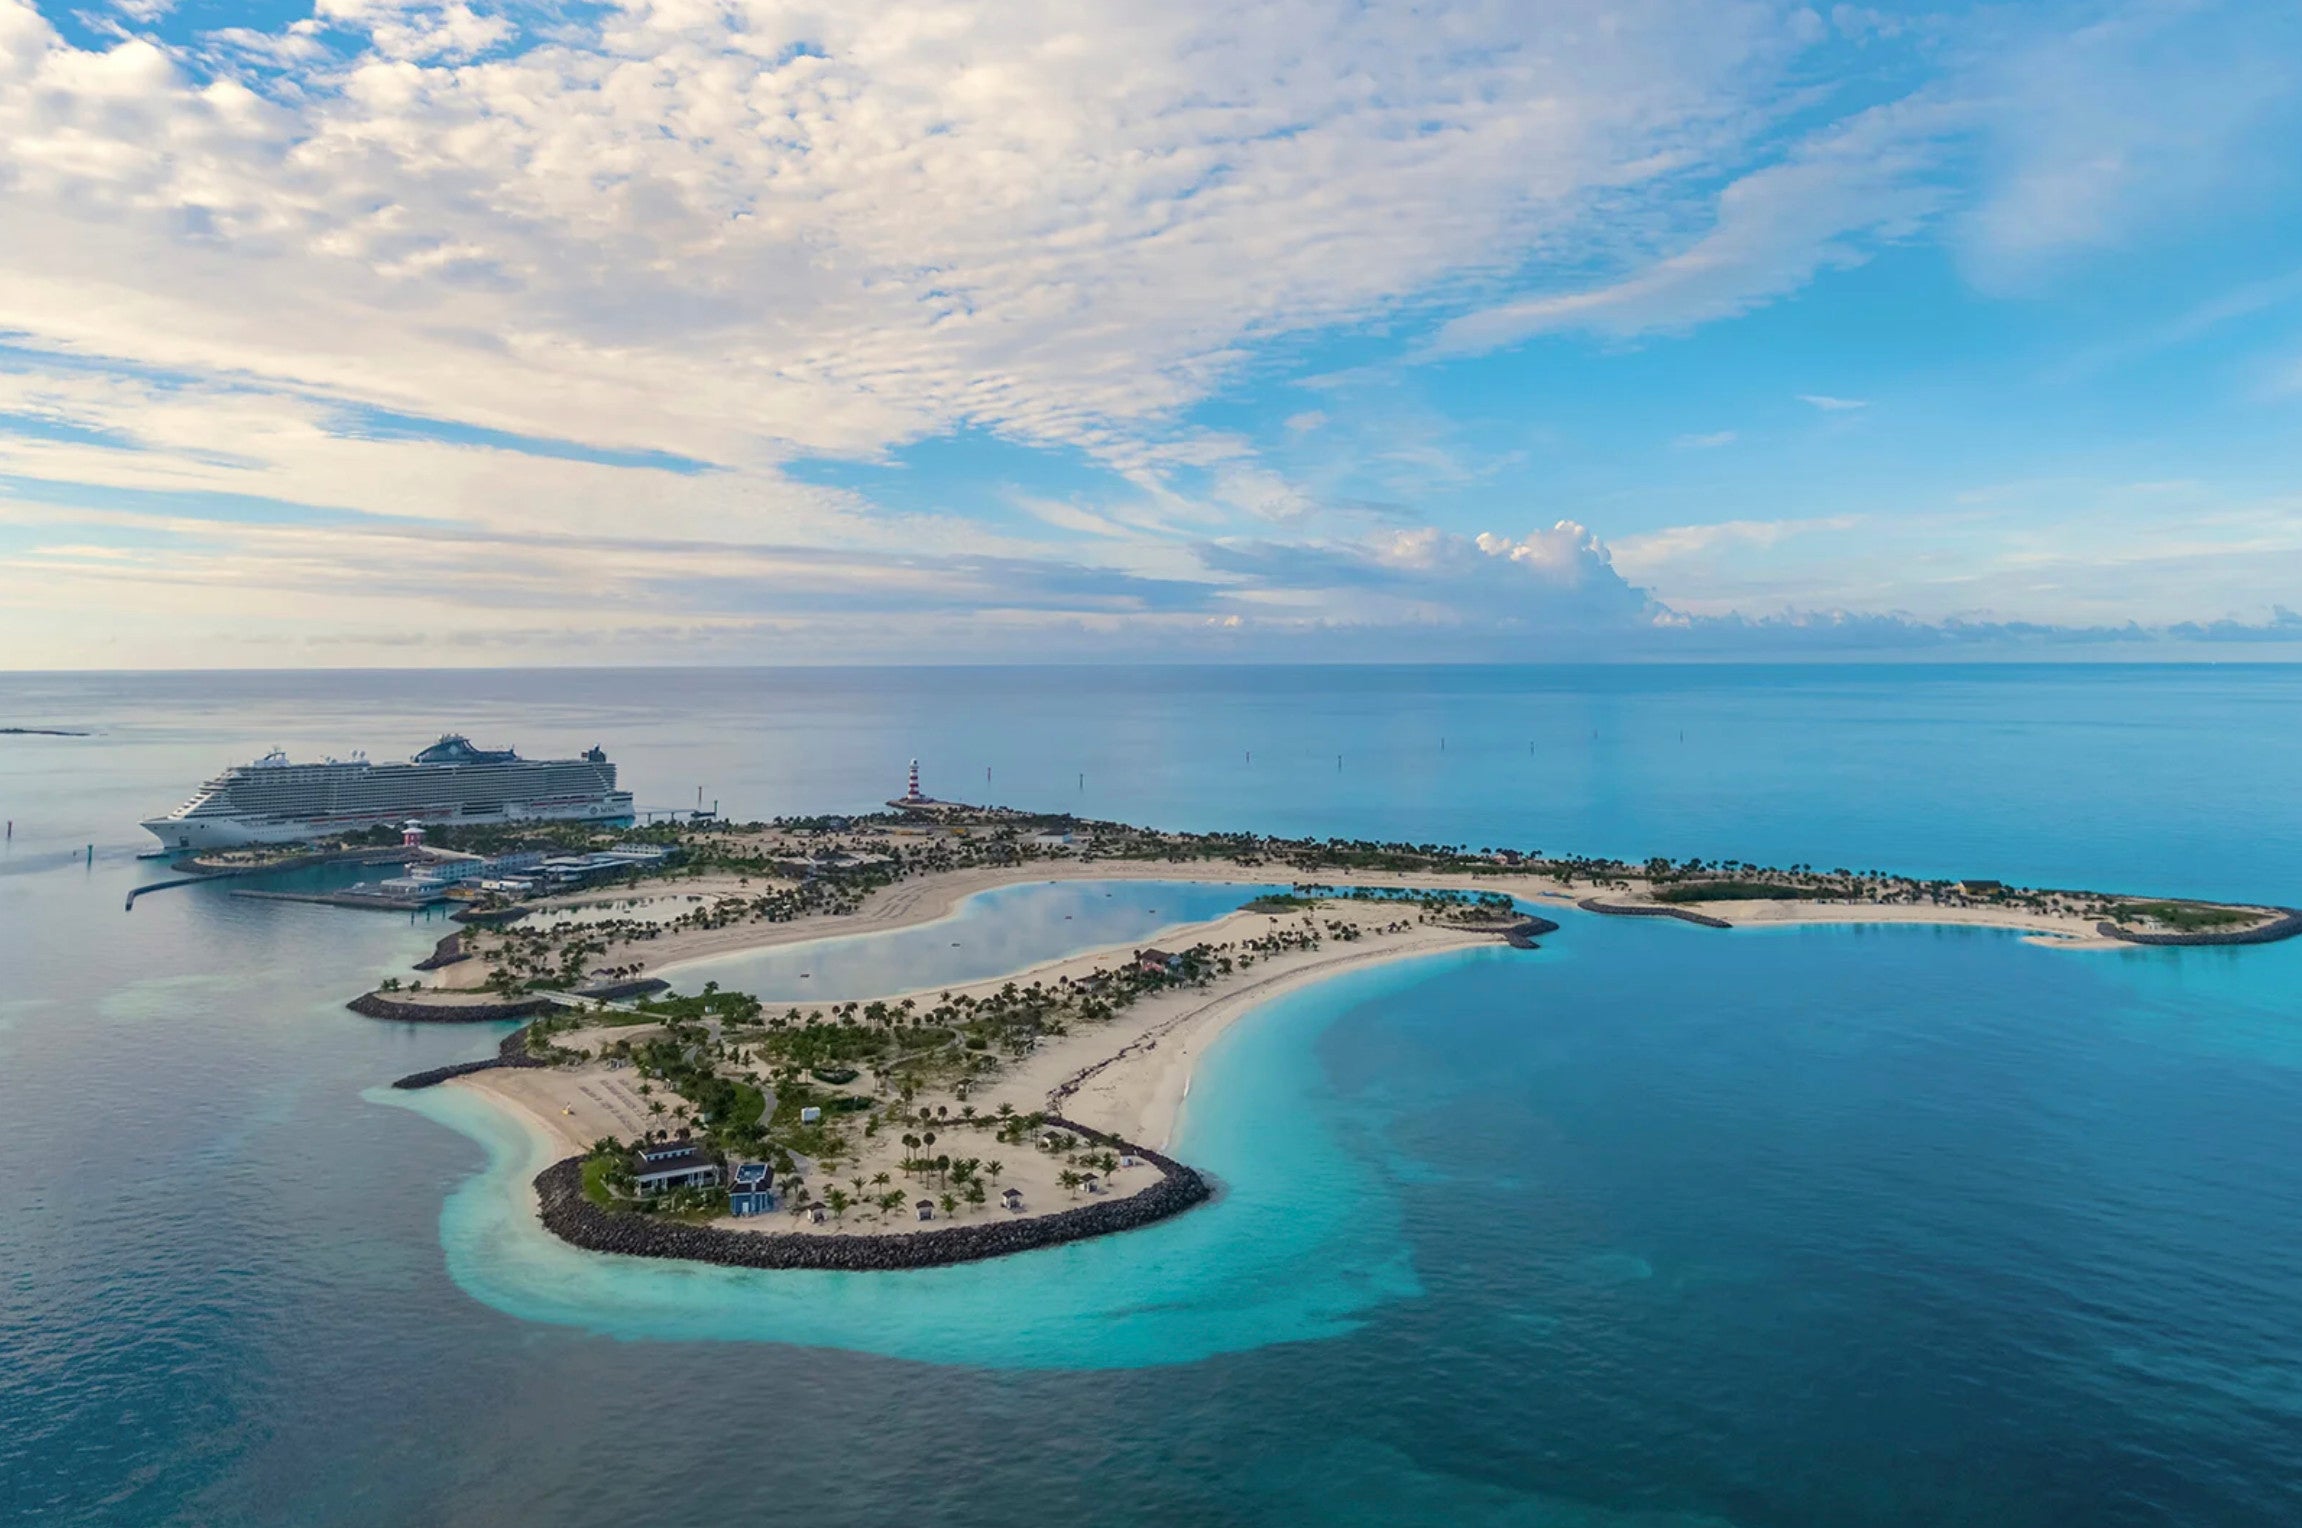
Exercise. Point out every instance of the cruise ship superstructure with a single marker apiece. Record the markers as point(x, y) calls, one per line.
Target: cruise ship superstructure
point(275, 801)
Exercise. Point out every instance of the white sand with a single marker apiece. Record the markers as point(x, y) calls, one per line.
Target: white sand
point(1136, 1069)
point(1141, 1063)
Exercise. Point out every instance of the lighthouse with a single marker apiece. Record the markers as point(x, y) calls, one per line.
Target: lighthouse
point(911, 792)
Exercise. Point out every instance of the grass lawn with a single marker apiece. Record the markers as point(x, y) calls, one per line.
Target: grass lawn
point(595, 1183)
point(2189, 917)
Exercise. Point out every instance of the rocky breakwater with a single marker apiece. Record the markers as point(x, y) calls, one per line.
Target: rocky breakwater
point(513, 1052)
point(1651, 910)
point(414, 1008)
point(447, 952)
point(567, 1214)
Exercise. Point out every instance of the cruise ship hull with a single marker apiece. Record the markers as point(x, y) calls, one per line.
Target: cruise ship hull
point(275, 801)
point(197, 835)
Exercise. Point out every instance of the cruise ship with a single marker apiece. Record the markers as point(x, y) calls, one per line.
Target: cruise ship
point(275, 801)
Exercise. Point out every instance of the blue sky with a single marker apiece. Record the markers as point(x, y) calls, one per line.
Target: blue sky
point(394, 332)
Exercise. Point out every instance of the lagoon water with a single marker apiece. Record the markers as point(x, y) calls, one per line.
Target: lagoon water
point(1011, 928)
point(1654, 1227)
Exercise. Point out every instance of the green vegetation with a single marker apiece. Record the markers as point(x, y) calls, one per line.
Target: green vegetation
point(601, 1174)
point(1736, 891)
point(711, 1061)
point(734, 1007)
point(2188, 917)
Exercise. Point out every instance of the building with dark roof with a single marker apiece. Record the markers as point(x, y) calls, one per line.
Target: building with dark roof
point(657, 1172)
point(751, 1189)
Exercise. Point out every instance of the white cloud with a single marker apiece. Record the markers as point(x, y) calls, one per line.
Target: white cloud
point(2130, 127)
point(1262, 493)
point(1830, 405)
point(1652, 555)
point(762, 232)
point(1834, 200)
point(1554, 581)
point(740, 232)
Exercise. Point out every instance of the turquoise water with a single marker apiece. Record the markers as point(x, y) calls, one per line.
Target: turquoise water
point(1301, 1243)
point(989, 934)
point(1655, 1226)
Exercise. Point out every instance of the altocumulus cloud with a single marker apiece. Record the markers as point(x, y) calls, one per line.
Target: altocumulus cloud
point(544, 306)
point(730, 232)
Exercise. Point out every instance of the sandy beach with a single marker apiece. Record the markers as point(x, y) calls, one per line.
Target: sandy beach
point(926, 899)
point(1128, 1076)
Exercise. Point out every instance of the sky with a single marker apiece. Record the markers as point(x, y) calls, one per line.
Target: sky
point(371, 332)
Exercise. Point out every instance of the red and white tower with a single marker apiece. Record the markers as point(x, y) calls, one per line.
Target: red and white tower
point(912, 794)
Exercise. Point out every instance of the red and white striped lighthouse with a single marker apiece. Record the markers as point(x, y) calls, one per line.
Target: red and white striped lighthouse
point(912, 794)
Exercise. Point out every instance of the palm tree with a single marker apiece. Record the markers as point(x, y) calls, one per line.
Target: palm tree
point(1070, 1182)
point(950, 1205)
point(995, 1167)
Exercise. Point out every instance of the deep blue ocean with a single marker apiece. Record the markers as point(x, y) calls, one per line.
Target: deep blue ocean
point(1657, 1227)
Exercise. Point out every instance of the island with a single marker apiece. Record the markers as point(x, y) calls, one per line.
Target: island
point(915, 1128)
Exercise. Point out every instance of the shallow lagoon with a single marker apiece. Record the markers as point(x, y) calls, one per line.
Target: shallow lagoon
point(989, 934)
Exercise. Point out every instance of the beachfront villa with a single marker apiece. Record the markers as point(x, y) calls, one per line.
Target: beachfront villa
point(926, 1209)
point(666, 1165)
point(1159, 962)
point(1012, 1198)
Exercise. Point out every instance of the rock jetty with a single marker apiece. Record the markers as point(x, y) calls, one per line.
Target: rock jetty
point(446, 953)
point(1651, 910)
point(573, 1218)
point(411, 1010)
point(513, 1052)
